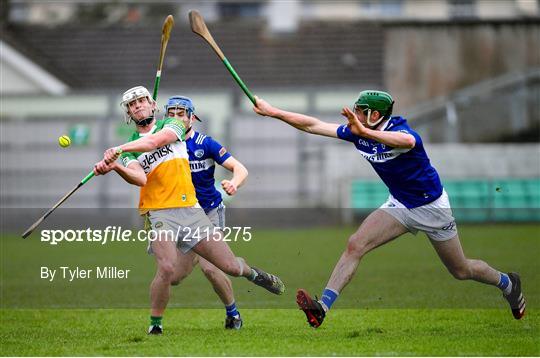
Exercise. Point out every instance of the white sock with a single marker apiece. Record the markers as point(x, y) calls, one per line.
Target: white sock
point(325, 307)
point(241, 263)
point(508, 289)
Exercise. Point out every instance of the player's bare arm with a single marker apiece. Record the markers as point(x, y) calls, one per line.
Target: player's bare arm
point(300, 121)
point(145, 144)
point(240, 174)
point(133, 173)
point(392, 139)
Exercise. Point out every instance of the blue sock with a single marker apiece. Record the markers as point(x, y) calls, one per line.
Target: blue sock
point(504, 283)
point(231, 310)
point(328, 297)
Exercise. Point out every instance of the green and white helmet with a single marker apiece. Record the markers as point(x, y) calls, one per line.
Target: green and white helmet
point(131, 95)
point(373, 100)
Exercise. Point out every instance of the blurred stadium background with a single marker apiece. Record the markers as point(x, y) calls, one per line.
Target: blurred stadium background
point(466, 73)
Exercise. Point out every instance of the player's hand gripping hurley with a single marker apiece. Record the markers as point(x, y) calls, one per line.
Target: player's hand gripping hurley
point(165, 35)
point(199, 27)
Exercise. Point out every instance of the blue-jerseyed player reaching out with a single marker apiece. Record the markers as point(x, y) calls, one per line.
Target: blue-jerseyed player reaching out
point(203, 153)
point(417, 201)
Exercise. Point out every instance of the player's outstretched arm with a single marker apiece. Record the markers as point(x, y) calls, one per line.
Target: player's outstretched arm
point(300, 121)
point(141, 145)
point(240, 174)
point(392, 139)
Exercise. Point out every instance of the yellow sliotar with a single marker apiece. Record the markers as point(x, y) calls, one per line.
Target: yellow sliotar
point(64, 141)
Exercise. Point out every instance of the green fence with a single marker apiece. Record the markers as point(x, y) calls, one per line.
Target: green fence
point(472, 200)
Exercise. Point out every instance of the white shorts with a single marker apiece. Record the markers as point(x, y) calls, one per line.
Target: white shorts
point(188, 225)
point(435, 218)
point(217, 216)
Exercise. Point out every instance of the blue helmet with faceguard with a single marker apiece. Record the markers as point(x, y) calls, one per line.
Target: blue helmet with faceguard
point(181, 102)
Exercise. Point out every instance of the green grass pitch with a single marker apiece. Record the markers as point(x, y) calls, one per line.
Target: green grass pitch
point(401, 302)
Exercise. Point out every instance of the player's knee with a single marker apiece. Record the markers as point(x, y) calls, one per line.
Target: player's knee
point(462, 272)
point(166, 271)
point(356, 246)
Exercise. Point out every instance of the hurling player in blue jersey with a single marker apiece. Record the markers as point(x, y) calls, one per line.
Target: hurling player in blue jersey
point(204, 152)
point(417, 201)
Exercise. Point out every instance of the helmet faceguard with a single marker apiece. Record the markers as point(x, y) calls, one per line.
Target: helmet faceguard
point(371, 100)
point(131, 95)
point(184, 103)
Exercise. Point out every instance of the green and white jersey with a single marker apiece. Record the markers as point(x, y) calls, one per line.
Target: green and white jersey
point(169, 182)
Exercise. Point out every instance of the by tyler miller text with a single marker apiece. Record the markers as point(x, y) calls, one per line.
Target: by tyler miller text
point(78, 273)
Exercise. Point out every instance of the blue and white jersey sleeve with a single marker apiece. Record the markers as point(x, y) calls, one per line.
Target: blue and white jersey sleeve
point(217, 152)
point(344, 132)
point(403, 127)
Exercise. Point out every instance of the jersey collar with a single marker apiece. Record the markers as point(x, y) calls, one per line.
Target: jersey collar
point(385, 124)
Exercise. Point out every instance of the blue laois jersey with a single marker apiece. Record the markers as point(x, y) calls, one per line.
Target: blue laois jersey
point(407, 173)
point(204, 152)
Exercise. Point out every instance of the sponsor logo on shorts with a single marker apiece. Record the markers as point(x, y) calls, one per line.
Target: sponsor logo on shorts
point(449, 226)
point(184, 197)
point(158, 224)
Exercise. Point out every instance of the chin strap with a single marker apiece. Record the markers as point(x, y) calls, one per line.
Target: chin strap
point(144, 122)
point(373, 124)
point(388, 113)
